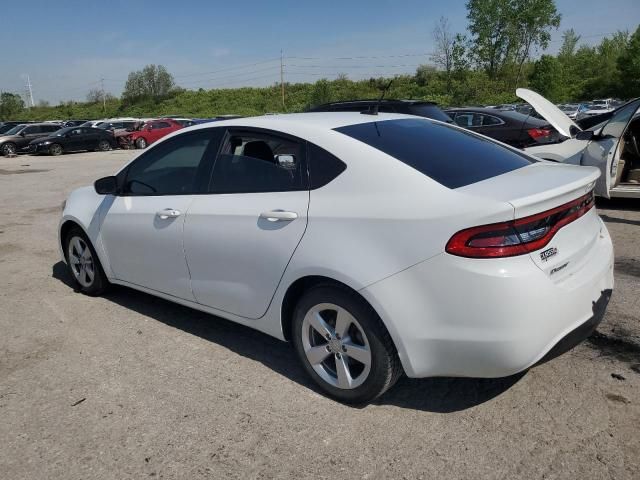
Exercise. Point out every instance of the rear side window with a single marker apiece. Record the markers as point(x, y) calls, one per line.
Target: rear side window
point(323, 166)
point(252, 162)
point(451, 157)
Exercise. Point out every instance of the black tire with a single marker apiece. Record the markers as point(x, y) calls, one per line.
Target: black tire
point(104, 146)
point(99, 283)
point(55, 149)
point(141, 143)
point(9, 148)
point(385, 368)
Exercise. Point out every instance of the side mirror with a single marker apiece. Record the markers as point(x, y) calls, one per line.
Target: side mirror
point(22, 134)
point(584, 135)
point(106, 185)
point(286, 161)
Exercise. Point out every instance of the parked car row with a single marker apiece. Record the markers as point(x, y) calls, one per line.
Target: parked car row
point(57, 137)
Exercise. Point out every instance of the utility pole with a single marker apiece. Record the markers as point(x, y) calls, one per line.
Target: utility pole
point(29, 92)
point(282, 77)
point(104, 100)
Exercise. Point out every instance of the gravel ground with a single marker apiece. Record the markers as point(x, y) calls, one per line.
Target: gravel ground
point(130, 386)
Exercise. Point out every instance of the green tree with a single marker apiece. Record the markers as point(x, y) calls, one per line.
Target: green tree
point(628, 64)
point(504, 32)
point(152, 82)
point(321, 92)
point(11, 105)
point(546, 78)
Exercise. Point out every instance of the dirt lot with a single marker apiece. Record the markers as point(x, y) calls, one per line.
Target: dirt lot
point(130, 386)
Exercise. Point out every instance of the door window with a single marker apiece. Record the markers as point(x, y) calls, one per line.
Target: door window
point(619, 120)
point(159, 125)
point(258, 162)
point(488, 120)
point(175, 167)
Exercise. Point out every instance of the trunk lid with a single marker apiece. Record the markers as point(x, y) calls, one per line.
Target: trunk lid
point(549, 187)
point(549, 112)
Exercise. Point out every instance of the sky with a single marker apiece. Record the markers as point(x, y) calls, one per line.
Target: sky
point(69, 47)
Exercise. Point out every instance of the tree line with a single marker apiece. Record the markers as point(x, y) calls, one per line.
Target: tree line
point(483, 65)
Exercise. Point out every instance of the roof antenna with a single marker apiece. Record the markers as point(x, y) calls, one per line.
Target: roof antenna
point(373, 110)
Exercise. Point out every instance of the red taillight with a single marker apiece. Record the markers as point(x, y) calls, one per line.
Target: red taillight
point(520, 236)
point(537, 133)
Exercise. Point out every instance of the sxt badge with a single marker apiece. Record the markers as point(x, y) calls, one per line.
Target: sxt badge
point(548, 253)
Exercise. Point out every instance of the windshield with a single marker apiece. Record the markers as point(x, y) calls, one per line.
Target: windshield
point(451, 156)
point(569, 108)
point(15, 130)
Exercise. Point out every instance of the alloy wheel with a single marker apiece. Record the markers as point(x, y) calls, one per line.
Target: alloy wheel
point(81, 261)
point(9, 149)
point(104, 146)
point(336, 346)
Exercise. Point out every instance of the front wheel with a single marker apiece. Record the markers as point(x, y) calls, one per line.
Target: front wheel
point(83, 263)
point(141, 143)
point(9, 149)
point(343, 345)
point(104, 146)
point(55, 149)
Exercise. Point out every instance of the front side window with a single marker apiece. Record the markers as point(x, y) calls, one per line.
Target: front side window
point(31, 130)
point(252, 162)
point(451, 157)
point(159, 125)
point(174, 167)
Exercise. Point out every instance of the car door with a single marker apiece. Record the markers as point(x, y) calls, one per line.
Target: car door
point(159, 130)
point(89, 138)
point(239, 238)
point(142, 230)
point(74, 140)
point(30, 133)
point(601, 151)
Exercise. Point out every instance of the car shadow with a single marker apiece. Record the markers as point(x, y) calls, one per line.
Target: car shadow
point(440, 395)
point(630, 204)
point(624, 221)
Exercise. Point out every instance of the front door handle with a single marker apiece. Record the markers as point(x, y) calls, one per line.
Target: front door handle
point(279, 216)
point(168, 213)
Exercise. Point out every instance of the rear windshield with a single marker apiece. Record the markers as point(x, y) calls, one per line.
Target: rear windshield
point(448, 155)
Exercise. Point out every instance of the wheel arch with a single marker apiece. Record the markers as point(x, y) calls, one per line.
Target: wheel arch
point(303, 284)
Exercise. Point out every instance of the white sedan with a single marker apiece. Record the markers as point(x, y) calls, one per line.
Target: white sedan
point(376, 244)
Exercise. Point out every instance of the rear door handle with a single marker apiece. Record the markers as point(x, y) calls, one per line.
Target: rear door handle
point(168, 213)
point(279, 216)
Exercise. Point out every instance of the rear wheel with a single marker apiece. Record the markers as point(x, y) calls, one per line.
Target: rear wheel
point(83, 263)
point(343, 345)
point(104, 145)
point(9, 149)
point(141, 143)
point(55, 149)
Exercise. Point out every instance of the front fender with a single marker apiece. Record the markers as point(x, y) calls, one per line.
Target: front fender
point(87, 209)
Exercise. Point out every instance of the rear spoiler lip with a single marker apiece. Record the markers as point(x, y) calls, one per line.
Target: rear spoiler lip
point(540, 198)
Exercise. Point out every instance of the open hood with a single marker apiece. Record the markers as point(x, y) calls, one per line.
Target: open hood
point(549, 112)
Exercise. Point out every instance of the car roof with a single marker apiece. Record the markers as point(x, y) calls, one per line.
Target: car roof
point(320, 120)
point(387, 101)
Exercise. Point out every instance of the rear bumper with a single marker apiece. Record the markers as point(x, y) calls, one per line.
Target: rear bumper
point(452, 316)
point(577, 336)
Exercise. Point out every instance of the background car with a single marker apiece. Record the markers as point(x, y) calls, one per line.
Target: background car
point(73, 139)
point(507, 126)
point(17, 139)
point(573, 110)
point(152, 131)
point(8, 125)
point(353, 237)
point(419, 108)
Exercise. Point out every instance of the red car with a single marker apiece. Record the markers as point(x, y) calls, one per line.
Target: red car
point(151, 131)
